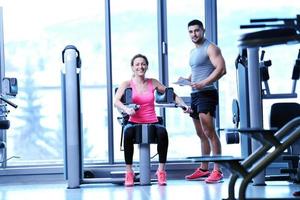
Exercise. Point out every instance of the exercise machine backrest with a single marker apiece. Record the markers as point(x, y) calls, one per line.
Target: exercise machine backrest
point(283, 112)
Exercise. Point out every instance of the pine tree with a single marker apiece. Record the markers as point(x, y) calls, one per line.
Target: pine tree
point(33, 141)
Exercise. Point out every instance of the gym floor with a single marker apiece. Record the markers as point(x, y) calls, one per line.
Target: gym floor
point(175, 189)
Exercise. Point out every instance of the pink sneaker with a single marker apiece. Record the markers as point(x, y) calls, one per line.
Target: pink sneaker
point(198, 174)
point(129, 179)
point(215, 177)
point(161, 177)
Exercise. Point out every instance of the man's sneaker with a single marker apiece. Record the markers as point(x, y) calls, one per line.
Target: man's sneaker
point(198, 174)
point(215, 177)
point(129, 179)
point(161, 177)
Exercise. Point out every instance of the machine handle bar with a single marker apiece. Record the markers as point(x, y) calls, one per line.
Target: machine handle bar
point(9, 102)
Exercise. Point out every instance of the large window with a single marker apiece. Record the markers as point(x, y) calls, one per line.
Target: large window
point(180, 126)
point(134, 30)
point(35, 33)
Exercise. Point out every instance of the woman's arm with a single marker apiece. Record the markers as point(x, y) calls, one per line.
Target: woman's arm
point(118, 96)
point(158, 86)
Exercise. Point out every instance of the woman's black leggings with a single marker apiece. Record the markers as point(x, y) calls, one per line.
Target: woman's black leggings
point(129, 138)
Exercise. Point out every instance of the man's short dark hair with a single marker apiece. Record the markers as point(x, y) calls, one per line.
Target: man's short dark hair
point(196, 22)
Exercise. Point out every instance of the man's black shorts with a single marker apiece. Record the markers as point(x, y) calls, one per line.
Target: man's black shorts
point(204, 102)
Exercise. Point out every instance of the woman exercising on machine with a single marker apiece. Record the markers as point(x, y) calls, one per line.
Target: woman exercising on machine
point(143, 95)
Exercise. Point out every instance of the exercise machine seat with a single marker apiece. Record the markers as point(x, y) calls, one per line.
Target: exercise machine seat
point(269, 37)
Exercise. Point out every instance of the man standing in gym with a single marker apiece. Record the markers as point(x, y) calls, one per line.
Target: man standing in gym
point(207, 67)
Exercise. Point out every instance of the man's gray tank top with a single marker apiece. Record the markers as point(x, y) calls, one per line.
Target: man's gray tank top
point(201, 66)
